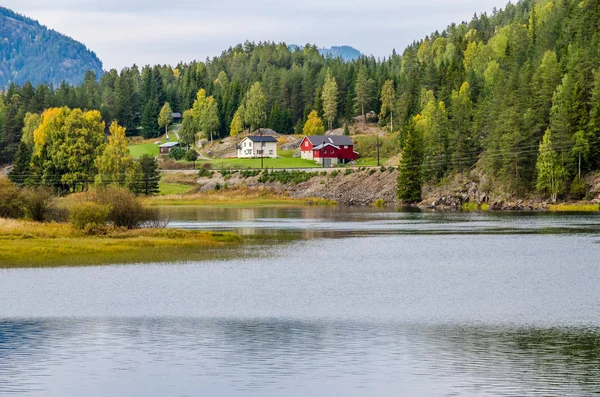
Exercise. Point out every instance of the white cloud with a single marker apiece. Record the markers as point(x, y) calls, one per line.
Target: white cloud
point(152, 31)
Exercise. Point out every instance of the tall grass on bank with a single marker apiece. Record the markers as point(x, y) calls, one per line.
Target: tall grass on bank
point(574, 207)
point(25, 244)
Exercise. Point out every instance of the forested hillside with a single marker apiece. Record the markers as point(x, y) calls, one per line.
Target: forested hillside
point(31, 52)
point(478, 94)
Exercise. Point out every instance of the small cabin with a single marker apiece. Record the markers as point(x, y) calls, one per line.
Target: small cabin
point(176, 116)
point(257, 146)
point(165, 148)
point(328, 150)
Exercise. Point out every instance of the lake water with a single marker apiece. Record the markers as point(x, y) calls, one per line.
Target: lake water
point(357, 302)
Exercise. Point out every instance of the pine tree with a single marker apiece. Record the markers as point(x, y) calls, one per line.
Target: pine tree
point(388, 102)
point(149, 176)
point(330, 99)
point(364, 92)
point(410, 177)
point(21, 165)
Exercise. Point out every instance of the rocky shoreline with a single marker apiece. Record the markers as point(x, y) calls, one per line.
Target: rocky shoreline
point(365, 186)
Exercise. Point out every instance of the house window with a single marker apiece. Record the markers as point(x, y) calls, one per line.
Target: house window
point(306, 143)
point(270, 152)
point(332, 152)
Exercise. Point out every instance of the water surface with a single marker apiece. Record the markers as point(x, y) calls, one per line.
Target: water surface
point(366, 302)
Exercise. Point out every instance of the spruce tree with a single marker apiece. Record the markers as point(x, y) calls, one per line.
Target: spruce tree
point(410, 176)
point(150, 176)
point(21, 165)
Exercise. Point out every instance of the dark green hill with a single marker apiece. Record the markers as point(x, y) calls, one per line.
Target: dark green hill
point(32, 52)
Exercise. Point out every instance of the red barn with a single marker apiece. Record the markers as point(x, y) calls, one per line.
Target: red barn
point(328, 150)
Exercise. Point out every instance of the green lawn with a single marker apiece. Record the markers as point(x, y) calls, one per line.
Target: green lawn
point(286, 153)
point(138, 151)
point(173, 188)
point(255, 163)
point(370, 162)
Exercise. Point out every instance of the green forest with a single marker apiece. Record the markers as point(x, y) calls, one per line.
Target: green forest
point(514, 93)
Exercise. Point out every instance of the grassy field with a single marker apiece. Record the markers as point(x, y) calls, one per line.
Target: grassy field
point(30, 244)
point(167, 189)
point(139, 147)
point(139, 150)
point(242, 197)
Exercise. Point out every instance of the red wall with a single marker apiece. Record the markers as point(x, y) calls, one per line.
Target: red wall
point(343, 154)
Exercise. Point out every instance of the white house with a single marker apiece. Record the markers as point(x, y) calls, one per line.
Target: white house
point(257, 146)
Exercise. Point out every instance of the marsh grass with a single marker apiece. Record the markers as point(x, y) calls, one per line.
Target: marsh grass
point(30, 244)
point(473, 207)
point(574, 207)
point(236, 197)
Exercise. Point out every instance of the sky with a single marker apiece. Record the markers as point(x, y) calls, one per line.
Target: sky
point(124, 32)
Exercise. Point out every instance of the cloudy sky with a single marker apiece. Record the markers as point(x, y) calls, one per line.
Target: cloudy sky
point(123, 32)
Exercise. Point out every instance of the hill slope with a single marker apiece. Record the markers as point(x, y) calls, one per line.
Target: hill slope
point(32, 52)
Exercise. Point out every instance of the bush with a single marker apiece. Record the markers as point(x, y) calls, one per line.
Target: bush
point(334, 174)
point(348, 171)
point(89, 216)
point(125, 209)
point(205, 172)
point(372, 171)
point(578, 188)
point(379, 203)
point(217, 187)
point(10, 200)
point(285, 177)
point(37, 203)
point(249, 173)
point(177, 153)
point(190, 155)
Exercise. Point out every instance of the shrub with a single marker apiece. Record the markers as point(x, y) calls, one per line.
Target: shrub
point(285, 177)
point(125, 209)
point(372, 171)
point(218, 187)
point(10, 200)
point(205, 172)
point(379, 203)
point(37, 203)
point(177, 153)
point(348, 171)
point(190, 155)
point(208, 166)
point(334, 174)
point(578, 188)
point(89, 216)
point(249, 173)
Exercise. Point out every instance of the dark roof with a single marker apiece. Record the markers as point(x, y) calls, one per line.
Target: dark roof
point(170, 144)
point(262, 139)
point(338, 140)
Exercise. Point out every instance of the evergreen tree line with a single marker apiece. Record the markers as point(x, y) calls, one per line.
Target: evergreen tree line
point(479, 94)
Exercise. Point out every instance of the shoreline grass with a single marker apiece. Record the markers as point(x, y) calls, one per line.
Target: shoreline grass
point(578, 207)
point(239, 197)
point(31, 244)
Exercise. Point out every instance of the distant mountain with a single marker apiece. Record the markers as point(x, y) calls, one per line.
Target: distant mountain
point(31, 52)
point(345, 52)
